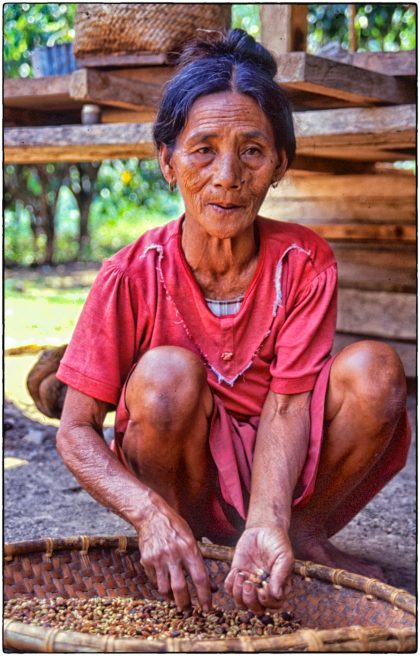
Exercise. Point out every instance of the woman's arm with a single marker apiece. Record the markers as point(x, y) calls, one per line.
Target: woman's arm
point(280, 453)
point(165, 539)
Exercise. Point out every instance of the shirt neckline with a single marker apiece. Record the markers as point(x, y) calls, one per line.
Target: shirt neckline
point(193, 282)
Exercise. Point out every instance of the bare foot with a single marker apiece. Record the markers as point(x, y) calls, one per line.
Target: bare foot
point(321, 550)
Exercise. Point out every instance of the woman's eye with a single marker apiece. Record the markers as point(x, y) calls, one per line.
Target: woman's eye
point(252, 151)
point(205, 150)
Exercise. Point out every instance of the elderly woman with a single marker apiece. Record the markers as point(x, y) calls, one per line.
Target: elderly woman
point(212, 336)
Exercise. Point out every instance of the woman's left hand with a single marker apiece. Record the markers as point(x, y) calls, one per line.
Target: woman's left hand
point(260, 575)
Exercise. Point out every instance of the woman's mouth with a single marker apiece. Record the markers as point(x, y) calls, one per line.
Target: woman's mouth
point(225, 207)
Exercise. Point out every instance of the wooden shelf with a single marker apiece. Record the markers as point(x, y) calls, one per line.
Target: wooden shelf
point(362, 134)
point(337, 81)
point(312, 83)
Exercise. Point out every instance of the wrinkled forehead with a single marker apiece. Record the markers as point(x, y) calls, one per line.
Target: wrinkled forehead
point(223, 112)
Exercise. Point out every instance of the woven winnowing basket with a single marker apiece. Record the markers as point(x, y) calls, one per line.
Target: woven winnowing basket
point(116, 28)
point(340, 611)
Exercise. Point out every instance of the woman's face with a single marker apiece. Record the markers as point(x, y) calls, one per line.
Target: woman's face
point(224, 161)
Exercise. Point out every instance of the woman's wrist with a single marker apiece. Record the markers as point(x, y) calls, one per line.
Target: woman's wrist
point(268, 516)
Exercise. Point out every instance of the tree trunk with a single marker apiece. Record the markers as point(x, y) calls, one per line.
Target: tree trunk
point(48, 215)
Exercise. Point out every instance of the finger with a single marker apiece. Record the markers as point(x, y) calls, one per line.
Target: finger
point(280, 574)
point(266, 599)
point(150, 572)
point(162, 582)
point(238, 582)
point(250, 597)
point(201, 581)
point(179, 587)
point(230, 579)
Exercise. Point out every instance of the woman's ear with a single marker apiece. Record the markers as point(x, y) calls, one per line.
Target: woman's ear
point(165, 162)
point(281, 167)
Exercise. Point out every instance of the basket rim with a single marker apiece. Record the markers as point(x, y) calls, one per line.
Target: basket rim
point(312, 639)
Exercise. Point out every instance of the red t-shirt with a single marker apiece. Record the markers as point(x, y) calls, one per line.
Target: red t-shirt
point(146, 296)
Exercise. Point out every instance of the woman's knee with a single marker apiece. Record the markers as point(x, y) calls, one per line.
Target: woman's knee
point(372, 374)
point(167, 387)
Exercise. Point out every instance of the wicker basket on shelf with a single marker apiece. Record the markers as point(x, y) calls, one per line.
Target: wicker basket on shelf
point(128, 28)
point(339, 610)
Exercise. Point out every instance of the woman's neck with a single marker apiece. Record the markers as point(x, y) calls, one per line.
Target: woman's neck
point(223, 268)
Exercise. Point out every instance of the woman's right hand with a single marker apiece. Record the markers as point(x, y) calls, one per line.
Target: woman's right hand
point(169, 550)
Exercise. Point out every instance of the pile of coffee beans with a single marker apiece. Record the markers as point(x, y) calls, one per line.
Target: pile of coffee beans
point(146, 618)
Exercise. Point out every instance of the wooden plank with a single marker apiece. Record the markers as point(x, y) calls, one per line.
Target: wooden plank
point(373, 278)
point(104, 88)
point(284, 27)
point(340, 129)
point(115, 115)
point(78, 143)
point(312, 74)
point(356, 133)
point(15, 118)
point(368, 198)
point(51, 93)
point(403, 63)
point(331, 232)
point(359, 153)
point(385, 314)
point(394, 257)
point(123, 59)
point(341, 211)
point(305, 164)
point(323, 187)
point(406, 351)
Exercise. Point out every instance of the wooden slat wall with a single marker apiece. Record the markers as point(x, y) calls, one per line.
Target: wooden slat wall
point(376, 258)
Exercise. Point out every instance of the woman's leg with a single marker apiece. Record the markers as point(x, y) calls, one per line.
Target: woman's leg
point(362, 450)
point(166, 441)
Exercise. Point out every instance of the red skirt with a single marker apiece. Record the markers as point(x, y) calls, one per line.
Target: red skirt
point(232, 444)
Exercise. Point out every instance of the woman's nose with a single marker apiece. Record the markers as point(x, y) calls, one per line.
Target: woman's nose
point(227, 172)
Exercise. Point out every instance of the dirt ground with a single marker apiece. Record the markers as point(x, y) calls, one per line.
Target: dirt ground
point(42, 499)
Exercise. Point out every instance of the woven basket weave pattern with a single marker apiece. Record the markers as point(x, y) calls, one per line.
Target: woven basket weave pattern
point(336, 603)
point(117, 28)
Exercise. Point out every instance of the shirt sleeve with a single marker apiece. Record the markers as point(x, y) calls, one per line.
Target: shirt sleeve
point(306, 337)
point(104, 344)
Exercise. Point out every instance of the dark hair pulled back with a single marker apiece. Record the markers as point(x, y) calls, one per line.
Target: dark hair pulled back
point(225, 61)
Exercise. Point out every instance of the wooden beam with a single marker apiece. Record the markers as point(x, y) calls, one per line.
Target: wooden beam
point(383, 314)
point(367, 276)
point(123, 59)
point(406, 351)
point(78, 143)
point(50, 93)
point(356, 132)
point(284, 27)
point(341, 211)
point(356, 232)
point(311, 74)
point(403, 63)
point(382, 198)
point(342, 131)
point(374, 186)
point(15, 118)
point(312, 165)
point(103, 88)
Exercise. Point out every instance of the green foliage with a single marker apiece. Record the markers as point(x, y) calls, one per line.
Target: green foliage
point(247, 17)
point(28, 25)
point(130, 196)
point(379, 26)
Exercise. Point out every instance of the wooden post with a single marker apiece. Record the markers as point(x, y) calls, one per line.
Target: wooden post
point(352, 29)
point(284, 27)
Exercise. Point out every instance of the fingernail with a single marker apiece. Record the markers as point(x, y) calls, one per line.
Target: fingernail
point(248, 586)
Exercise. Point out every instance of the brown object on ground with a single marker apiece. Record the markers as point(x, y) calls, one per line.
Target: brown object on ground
point(103, 28)
point(44, 387)
point(342, 611)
